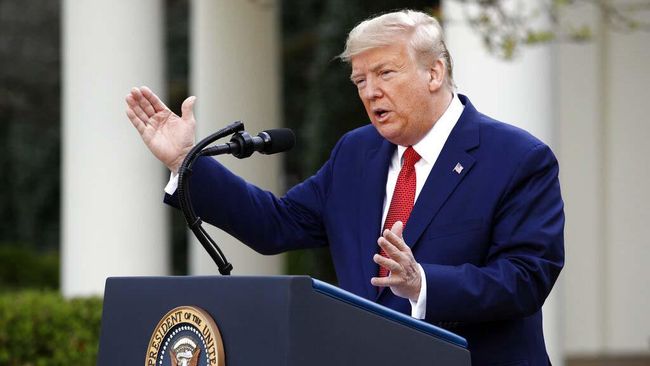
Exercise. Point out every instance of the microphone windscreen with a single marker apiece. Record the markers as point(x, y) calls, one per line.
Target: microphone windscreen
point(281, 139)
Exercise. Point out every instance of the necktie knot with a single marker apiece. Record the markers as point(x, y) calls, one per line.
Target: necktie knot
point(410, 157)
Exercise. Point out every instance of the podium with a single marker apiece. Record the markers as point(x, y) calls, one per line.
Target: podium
point(283, 320)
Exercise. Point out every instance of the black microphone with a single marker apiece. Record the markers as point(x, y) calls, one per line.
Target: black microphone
point(243, 145)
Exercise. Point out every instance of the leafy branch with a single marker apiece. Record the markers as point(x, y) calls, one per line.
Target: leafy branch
point(505, 25)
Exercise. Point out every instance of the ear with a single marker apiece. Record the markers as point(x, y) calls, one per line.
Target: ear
point(437, 75)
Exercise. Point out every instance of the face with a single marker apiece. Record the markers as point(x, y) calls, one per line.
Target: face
point(398, 93)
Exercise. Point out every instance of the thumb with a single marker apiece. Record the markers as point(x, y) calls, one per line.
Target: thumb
point(187, 109)
point(398, 228)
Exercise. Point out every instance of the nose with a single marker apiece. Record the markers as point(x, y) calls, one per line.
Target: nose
point(372, 90)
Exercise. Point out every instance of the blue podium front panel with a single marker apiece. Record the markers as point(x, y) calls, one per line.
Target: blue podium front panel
point(281, 320)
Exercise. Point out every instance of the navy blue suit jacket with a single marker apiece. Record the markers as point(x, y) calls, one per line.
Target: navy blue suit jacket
point(490, 238)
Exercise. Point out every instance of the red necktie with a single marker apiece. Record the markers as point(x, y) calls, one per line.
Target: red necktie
point(403, 197)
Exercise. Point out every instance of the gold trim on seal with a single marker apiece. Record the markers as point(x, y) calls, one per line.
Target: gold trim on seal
point(185, 348)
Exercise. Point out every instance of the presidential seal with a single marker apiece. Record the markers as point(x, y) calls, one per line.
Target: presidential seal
point(186, 336)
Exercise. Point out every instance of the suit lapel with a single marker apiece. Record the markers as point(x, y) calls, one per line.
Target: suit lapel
point(441, 182)
point(373, 190)
point(453, 164)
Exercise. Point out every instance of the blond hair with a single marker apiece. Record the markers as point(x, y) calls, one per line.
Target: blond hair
point(421, 30)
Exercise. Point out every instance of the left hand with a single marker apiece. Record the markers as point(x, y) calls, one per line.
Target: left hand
point(404, 277)
point(168, 136)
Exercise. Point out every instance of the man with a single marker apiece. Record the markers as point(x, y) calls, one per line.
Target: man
point(471, 207)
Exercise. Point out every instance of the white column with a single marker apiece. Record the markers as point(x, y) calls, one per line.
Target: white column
point(114, 222)
point(603, 97)
point(626, 71)
point(582, 105)
point(235, 76)
point(519, 92)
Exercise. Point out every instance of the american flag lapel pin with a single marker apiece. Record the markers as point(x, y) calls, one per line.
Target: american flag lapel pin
point(458, 168)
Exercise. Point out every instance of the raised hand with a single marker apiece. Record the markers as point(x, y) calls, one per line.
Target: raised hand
point(404, 277)
point(168, 136)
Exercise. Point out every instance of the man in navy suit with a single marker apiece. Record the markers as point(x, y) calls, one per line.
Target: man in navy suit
point(478, 241)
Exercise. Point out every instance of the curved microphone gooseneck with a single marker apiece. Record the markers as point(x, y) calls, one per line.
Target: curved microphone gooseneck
point(194, 222)
point(241, 145)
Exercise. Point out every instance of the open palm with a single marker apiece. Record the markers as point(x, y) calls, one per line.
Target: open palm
point(168, 136)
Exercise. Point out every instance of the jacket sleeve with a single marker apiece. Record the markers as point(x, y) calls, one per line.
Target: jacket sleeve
point(525, 255)
point(256, 217)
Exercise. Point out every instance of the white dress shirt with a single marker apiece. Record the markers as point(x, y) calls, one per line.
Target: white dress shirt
point(429, 149)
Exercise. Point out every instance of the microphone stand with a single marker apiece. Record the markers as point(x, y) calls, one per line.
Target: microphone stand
point(193, 221)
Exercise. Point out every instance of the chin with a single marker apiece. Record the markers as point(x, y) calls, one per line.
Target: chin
point(390, 131)
point(393, 138)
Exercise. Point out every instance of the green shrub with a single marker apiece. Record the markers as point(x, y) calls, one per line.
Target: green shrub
point(42, 328)
point(22, 267)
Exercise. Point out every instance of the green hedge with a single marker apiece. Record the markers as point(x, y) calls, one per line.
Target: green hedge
point(43, 328)
point(22, 267)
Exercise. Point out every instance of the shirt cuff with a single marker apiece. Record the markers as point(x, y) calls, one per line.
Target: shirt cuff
point(419, 308)
point(172, 185)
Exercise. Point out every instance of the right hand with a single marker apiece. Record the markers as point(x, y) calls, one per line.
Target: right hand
point(168, 136)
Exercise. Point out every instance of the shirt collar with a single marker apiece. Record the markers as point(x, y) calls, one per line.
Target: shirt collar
point(431, 144)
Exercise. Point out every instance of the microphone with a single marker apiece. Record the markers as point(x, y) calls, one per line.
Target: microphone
point(243, 145)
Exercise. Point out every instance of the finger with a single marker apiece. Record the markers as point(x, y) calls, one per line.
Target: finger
point(137, 123)
point(136, 108)
point(379, 281)
point(391, 250)
point(144, 103)
point(383, 281)
point(187, 109)
point(135, 95)
point(398, 228)
point(156, 103)
point(387, 263)
point(396, 240)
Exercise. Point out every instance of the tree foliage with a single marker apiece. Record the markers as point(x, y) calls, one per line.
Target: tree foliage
point(29, 123)
point(507, 25)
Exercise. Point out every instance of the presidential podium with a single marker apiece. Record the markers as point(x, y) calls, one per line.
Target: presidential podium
point(283, 320)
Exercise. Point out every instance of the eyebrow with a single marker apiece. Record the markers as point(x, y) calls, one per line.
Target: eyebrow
point(372, 69)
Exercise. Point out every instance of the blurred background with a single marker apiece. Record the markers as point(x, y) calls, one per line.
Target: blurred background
point(81, 196)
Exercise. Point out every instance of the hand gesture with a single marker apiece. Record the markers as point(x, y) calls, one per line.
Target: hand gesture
point(404, 277)
point(168, 136)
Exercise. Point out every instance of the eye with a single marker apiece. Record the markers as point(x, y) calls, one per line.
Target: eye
point(359, 82)
point(386, 73)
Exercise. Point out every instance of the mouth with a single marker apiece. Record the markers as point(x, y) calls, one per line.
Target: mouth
point(380, 114)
